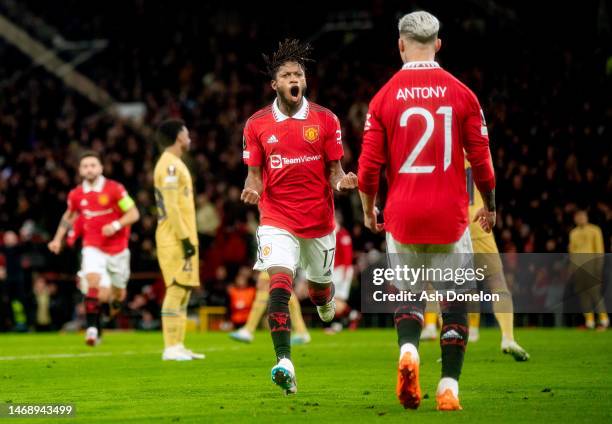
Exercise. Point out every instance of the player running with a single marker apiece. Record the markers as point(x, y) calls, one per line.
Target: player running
point(106, 211)
point(176, 237)
point(293, 149)
point(419, 125)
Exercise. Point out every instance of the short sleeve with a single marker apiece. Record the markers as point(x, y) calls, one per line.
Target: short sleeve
point(333, 140)
point(73, 204)
point(122, 198)
point(252, 153)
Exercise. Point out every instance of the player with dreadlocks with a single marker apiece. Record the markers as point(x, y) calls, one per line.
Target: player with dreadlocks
point(293, 149)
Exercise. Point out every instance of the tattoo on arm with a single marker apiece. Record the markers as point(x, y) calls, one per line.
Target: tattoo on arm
point(65, 224)
point(489, 200)
point(336, 173)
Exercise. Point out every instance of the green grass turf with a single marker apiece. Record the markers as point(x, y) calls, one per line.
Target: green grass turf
point(349, 377)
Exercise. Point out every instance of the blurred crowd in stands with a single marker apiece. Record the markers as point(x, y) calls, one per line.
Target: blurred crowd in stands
point(544, 91)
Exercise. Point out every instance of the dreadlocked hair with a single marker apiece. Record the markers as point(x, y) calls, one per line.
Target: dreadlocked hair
point(290, 50)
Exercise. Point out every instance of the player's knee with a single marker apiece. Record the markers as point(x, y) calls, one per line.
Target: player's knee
point(279, 270)
point(104, 294)
point(173, 299)
point(119, 294)
point(93, 280)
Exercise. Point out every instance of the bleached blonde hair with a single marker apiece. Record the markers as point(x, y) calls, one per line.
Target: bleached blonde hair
point(420, 26)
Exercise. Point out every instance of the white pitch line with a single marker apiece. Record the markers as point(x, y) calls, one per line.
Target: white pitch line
point(96, 354)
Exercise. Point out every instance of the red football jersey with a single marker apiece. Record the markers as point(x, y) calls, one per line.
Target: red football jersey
point(98, 204)
point(419, 125)
point(344, 248)
point(293, 153)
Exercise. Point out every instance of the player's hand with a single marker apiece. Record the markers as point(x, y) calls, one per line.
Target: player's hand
point(371, 223)
point(348, 182)
point(486, 219)
point(55, 246)
point(108, 230)
point(188, 248)
point(249, 196)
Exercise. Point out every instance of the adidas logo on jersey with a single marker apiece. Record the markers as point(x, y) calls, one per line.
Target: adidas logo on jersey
point(272, 139)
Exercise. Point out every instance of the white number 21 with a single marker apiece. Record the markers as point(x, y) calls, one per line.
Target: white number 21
point(408, 166)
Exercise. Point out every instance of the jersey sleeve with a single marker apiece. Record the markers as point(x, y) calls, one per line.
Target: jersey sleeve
point(252, 153)
point(73, 202)
point(122, 197)
point(373, 150)
point(333, 140)
point(169, 187)
point(476, 145)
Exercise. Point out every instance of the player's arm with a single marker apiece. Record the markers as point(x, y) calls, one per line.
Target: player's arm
point(130, 213)
point(371, 161)
point(64, 226)
point(169, 197)
point(476, 144)
point(253, 157)
point(338, 179)
point(253, 186)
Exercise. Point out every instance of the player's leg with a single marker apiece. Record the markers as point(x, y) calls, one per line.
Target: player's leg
point(278, 253)
point(430, 330)
point(342, 277)
point(474, 326)
point(172, 322)
point(453, 339)
point(317, 258)
point(408, 324)
point(180, 275)
point(119, 273)
point(93, 267)
point(260, 305)
point(300, 331)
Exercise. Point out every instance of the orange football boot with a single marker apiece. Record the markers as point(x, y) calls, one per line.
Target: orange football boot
point(408, 389)
point(447, 401)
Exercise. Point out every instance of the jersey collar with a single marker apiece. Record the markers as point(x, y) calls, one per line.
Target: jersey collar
point(96, 186)
point(301, 114)
point(424, 64)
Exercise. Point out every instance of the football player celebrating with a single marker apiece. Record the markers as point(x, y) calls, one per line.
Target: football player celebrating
point(107, 211)
point(419, 124)
point(293, 149)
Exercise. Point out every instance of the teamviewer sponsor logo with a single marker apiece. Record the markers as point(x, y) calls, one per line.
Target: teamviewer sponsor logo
point(276, 161)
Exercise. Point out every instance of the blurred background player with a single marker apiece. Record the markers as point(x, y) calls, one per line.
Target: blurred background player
point(486, 257)
point(293, 149)
point(419, 124)
point(176, 237)
point(107, 212)
point(240, 297)
point(343, 278)
point(587, 239)
point(260, 305)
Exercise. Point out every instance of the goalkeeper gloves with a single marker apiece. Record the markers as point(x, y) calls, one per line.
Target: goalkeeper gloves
point(188, 248)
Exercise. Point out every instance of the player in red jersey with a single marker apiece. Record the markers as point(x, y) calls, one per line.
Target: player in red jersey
point(418, 125)
point(343, 278)
point(293, 149)
point(106, 212)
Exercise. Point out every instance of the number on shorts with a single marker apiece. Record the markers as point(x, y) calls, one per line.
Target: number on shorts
point(329, 254)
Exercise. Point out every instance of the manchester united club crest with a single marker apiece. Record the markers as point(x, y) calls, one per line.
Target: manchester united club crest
point(103, 199)
point(311, 133)
point(267, 249)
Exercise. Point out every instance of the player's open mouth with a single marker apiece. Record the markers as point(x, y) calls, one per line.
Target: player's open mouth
point(295, 91)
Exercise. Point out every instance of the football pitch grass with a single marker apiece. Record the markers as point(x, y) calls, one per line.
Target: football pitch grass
point(348, 377)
